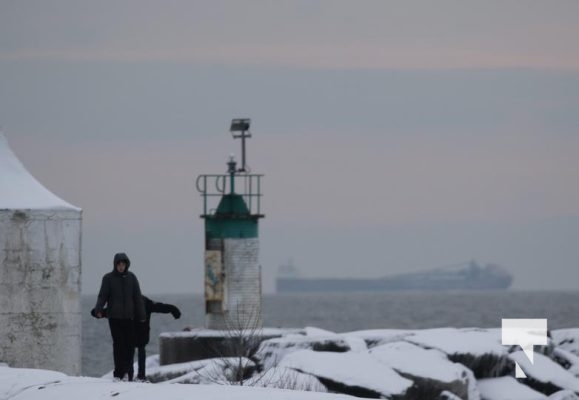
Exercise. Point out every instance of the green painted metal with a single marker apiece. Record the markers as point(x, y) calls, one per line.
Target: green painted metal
point(232, 205)
point(232, 219)
point(216, 228)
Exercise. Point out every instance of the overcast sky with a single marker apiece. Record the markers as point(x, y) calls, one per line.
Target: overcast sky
point(395, 136)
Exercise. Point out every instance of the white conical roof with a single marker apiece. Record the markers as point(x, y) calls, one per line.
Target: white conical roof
point(19, 190)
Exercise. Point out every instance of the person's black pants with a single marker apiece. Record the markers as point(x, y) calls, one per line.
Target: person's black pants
point(142, 356)
point(123, 333)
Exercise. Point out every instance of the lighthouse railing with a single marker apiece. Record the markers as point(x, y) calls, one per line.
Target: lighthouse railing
point(214, 186)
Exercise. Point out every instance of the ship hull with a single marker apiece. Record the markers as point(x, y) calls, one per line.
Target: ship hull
point(289, 285)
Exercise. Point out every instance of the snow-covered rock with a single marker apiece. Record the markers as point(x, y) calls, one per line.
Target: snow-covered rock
point(446, 395)
point(376, 337)
point(567, 360)
point(567, 339)
point(564, 395)
point(507, 388)
point(430, 370)
point(355, 373)
point(313, 331)
point(451, 341)
point(272, 351)
point(544, 374)
point(224, 371)
point(162, 373)
point(353, 343)
point(286, 378)
point(480, 350)
point(220, 371)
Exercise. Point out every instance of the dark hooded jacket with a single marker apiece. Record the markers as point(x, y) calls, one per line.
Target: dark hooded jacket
point(121, 293)
point(142, 329)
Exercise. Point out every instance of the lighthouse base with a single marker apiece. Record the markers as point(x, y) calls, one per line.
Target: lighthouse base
point(179, 347)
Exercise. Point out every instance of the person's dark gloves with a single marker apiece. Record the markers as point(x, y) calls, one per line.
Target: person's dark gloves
point(94, 313)
point(175, 312)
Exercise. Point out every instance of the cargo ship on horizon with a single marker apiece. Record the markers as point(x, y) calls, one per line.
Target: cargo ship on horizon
point(464, 276)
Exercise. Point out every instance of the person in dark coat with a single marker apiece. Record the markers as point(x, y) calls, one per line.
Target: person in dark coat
point(121, 294)
point(143, 329)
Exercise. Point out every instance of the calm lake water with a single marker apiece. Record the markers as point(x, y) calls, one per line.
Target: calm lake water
point(342, 312)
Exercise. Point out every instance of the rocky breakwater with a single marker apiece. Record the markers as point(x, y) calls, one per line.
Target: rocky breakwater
point(443, 363)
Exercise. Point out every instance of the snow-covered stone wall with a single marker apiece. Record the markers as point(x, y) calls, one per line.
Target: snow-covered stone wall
point(242, 288)
point(40, 310)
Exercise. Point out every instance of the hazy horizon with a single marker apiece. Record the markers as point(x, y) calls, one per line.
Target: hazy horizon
point(394, 136)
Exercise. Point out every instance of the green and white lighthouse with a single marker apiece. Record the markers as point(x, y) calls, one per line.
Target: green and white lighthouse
point(232, 269)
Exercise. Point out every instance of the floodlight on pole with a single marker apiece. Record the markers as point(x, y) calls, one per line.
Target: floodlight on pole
point(241, 125)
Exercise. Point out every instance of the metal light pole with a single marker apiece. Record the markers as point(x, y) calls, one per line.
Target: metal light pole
point(241, 125)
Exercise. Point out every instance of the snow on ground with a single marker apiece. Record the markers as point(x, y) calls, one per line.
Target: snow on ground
point(20, 384)
point(349, 369)
point(151, 363)
point(507, 388)
point(15, 380)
